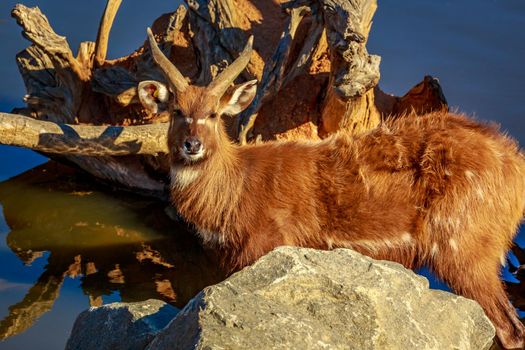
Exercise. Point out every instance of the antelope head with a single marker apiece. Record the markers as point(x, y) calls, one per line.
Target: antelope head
point(196, 128)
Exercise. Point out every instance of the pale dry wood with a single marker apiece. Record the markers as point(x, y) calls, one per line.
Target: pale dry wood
point(320, 78)
point(349, 102)
point(57, 83)
point(85, 140)
point(216, 35)
point(106, 23)
point(304, 59)
point(38, 30)
point(273, 74)
point(120, 83)
point(423, 98)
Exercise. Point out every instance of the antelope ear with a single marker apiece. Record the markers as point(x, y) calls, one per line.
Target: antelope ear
point(238, 97)
point(153, 95)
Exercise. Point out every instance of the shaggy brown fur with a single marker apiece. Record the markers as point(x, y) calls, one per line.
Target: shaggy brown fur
point(439, 190)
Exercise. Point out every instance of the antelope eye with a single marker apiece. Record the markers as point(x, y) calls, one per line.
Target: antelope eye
point(212, 116)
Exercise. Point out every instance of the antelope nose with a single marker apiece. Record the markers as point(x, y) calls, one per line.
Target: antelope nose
point(192, 145)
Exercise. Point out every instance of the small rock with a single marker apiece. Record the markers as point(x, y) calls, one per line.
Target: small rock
point(116, 326)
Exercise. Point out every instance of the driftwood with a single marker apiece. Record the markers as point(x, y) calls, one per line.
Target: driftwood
point(315, 74)
point(87, 140)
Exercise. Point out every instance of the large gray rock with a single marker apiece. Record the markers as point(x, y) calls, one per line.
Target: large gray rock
point(126, 326)
point(306, 299)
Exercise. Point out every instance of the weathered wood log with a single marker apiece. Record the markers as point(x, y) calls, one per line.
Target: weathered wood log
point(315, 74)
point(349, 103)
point(273, 74)
point(86, 140)
point(101, 47)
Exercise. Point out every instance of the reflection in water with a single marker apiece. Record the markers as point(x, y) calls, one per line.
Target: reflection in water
point(113, 242)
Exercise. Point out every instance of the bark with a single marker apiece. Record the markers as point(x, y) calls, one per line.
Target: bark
point(86, 140)
point(316, 77)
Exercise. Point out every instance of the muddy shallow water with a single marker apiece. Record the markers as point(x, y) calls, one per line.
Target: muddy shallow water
point(67, 243)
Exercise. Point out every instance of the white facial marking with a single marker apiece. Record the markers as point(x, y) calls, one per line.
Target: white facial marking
point(183, 176)
point(192, 157)
point(453, 244)
point(201, 121)
point(434, 250)
point(189, 120)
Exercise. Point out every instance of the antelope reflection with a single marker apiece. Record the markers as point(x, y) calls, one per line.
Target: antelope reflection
point(112, 242)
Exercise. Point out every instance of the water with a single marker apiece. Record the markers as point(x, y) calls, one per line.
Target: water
point(67, 243)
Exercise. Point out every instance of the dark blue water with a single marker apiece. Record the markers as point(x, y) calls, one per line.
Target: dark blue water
point(475, 48)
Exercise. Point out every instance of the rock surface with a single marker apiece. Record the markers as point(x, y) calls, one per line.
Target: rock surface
point(117, 326)
point(296, 298)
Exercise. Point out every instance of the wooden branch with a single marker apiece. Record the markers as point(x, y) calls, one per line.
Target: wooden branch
point(217, 38)
point(423, 98)
point(349, 103)
point(106, 22)
point(273, 74)
point(38, 30)
point(319, 80)
point(305, 56)
point(85, 140)
point(348, 23)
point(58, 84)
point(120, 83)
point(45, 96)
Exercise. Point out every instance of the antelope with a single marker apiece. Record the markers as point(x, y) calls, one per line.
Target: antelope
point(440, 190)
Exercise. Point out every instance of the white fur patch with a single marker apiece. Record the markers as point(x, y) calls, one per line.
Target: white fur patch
point(406, 237)
point(434, 251)
point(453, 244)
point(192, 157)
point(183, 176)
point(201, 121)
point(373, 246)
point(469, 174)
point(210, 238)
point(503, 259)
point(480, 193)
point(189, 120)
point(388, 243)
point(163, 93)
